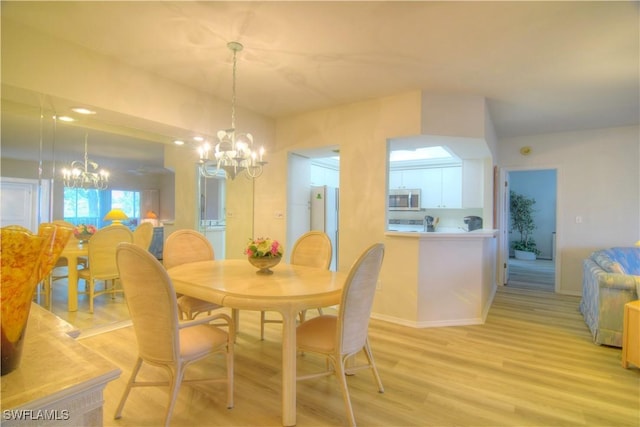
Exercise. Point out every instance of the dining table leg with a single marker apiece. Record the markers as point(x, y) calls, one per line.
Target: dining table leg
point(289, 366)
point(72, 283)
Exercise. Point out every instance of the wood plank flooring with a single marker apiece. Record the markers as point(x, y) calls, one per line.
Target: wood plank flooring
point(537, 274)
point(531, 364)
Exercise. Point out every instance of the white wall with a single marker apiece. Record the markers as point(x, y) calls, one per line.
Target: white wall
point(598, 180)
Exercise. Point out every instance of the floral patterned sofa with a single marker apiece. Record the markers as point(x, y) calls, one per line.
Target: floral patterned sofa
point(611, 278)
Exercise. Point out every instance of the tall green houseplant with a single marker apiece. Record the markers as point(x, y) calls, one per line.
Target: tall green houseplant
point(522, 221)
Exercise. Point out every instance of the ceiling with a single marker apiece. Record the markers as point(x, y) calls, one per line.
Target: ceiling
point(542, 66)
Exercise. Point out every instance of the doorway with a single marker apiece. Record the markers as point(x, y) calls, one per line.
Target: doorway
point(24, 202)
point(313, 196)
point(539, 273)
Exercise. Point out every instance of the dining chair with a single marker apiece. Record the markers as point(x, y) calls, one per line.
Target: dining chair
point(181, 247)
point(102, 260)
point(57, 273)
point(163, 340)
point(62, 231)
point(312, 249)
point(143, 234)
point(342, 336)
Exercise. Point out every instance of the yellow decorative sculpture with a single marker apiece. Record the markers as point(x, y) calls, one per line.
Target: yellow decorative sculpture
point(25, 259)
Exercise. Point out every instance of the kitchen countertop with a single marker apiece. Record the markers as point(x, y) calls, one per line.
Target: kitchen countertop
point(56, 371)
point(450, 232)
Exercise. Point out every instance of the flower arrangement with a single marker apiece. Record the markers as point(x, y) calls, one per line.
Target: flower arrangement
point(263, 248)
point(84, 230)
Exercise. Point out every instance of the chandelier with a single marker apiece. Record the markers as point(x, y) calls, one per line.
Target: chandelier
point(234, 152)
point(85, 174)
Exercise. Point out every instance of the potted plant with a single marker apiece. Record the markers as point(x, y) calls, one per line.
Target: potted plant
point(522, 221)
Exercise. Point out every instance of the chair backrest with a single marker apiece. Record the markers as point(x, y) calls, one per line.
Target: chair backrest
point(102, 250)
point(143, 234)
point(65, 223)
point(357, 299)
point(183, 246)
point(56, 243)
point(152, 303)
point(312, 249)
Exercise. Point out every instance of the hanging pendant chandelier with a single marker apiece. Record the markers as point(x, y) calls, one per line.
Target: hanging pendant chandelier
point(234, 152)
point(85, 174)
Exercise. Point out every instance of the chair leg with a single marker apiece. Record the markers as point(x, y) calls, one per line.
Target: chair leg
point(92, 290)
point(262, 318)
point(342, 379)
point(174, 387)
point(132, 379)
point(372, 364)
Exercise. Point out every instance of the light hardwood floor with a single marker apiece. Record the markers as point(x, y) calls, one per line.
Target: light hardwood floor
point(531, 364)
point(538, 274)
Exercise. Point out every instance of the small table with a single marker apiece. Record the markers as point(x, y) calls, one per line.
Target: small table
point(289, 290)
point(74, 250)
point(631, 334)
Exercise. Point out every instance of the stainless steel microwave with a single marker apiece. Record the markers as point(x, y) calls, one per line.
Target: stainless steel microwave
point(404, 200)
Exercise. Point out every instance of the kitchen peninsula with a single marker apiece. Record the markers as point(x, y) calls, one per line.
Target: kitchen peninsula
point(453, 277)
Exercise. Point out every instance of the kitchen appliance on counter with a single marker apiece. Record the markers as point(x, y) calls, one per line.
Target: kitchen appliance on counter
point(430, 223)
point(473, 222)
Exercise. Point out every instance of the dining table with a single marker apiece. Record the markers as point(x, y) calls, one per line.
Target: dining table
point(72, 251)
point(235, 283)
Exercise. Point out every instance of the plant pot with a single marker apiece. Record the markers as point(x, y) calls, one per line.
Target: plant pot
point(264, 264)
point(525, 255)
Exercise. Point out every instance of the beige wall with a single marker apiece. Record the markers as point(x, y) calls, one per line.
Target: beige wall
point(361, 131)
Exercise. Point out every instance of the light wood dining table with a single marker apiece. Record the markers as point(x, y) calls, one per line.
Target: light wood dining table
point(290, 289)
point(72, 251)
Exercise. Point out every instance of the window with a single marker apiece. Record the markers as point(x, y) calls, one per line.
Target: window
point(89, 206)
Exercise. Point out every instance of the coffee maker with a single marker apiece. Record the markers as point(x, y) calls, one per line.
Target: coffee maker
point(428, 224)
point(473, 222)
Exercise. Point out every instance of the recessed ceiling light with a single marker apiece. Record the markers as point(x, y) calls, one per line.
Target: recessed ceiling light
point(198, 138)
point(65, 118)
point(82, 110)
point(178, 142)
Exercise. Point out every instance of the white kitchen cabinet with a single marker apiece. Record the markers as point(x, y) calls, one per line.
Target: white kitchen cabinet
point(442, 188)
point(216, 236)
point(409, 179)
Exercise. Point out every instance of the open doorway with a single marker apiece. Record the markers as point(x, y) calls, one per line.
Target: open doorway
point(313, 196)
point(540, 186)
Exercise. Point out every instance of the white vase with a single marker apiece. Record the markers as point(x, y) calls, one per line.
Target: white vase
point(524, 255)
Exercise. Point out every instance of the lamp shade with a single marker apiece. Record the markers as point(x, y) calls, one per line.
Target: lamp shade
point(116, 216)
point(150, 215)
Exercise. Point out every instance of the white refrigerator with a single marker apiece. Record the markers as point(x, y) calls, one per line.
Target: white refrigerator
point(324, 216)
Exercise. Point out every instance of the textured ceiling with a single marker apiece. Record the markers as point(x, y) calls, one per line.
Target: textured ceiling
point(542, 66)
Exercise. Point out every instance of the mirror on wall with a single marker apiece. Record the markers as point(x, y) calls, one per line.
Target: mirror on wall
point(212, 190)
